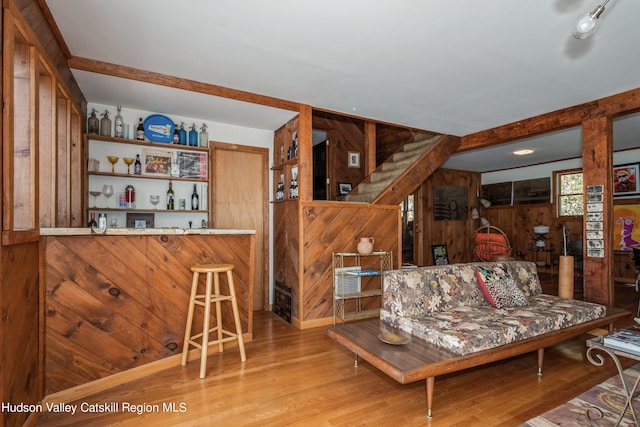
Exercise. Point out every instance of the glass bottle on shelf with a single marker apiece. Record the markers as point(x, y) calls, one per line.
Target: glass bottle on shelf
point(140, 131)
point(105, 124)
point(170, 197)
point(193, 136)
point(182, 135)
point(137, 166)
point(92, 221)
point(204, 136)
point(102, 220)
point(118, 130)
point(194, 196)
point(176, 135)
point(93, 124)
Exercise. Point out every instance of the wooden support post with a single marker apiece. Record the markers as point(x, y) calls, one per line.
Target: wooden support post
point(369, 148)
point(305, 154)
point(597, 164)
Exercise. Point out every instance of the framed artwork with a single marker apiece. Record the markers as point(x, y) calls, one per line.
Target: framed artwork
point(625, 180)
point(450, 203)
point(156, 162)
point(440, 256)
point(191, 164)
point(344, 188)
point(626, 227)
point(354, 159)
point(140, 220)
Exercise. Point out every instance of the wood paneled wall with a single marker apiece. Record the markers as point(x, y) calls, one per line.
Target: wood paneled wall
point(338, 227)
point(518, 221)
point(20, 356)
point(307, 233)
point(112, 303)
point(455, 234)
point(345, 134)
point(286, 232)
point(38, 17)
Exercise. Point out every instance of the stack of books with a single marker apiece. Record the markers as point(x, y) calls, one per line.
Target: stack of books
point(624, 340)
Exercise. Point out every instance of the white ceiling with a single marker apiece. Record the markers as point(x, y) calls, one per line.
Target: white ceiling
point(448, 66)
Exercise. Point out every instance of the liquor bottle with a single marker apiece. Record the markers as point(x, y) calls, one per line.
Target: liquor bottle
point(137, 166)
point(176, 135)
point(93, 124)
point(182, 135)
point(193, 136)
point(92, 221)
point(204, 136)
point(170, 197)
point(194, 196)
point(140, 131)
point(118, 130)
point(105, 124)
point(102, 220)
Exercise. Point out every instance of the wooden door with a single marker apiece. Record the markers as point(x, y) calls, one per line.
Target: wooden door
point(240, 200)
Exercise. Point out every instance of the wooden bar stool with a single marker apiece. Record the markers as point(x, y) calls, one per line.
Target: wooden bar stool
point(205, 300)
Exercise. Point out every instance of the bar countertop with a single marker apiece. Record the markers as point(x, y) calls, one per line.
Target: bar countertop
point(78, 231)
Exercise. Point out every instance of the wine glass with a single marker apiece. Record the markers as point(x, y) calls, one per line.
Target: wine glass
point(129, 161)
point(113, 160)
point(154, 199)
point(95, 195)
point(107, 190)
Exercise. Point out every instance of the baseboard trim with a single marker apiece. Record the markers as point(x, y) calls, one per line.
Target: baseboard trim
point(92, 387)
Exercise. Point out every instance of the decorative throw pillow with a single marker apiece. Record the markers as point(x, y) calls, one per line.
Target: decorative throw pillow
point(499, 288)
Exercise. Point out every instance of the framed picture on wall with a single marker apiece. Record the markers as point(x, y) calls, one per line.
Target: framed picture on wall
point(344, 188)
point(625, 180)
point(450, 203)
point(156, 162)
point(354, 159)
point(440, 256)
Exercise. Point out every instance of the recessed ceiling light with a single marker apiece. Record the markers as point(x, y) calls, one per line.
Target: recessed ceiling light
point(523, 152)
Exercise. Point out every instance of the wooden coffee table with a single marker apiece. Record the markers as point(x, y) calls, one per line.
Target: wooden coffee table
point(404, 363)
point(420, 360)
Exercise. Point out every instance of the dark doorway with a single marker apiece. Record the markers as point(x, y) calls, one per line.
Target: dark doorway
point(320, 171)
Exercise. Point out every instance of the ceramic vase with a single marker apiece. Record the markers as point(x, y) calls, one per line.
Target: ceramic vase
point(365, 247)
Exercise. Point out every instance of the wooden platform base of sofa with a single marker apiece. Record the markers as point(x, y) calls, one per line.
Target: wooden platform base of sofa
point(420, 360)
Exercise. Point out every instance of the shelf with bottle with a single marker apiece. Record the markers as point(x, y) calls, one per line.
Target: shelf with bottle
point(145, 143)
point(134, 176)
point(286, 184)
point(186, 197)
point(153, 161)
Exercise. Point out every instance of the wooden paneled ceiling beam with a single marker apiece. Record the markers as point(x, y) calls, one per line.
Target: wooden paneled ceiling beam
point(115, 70)
point(615, 105)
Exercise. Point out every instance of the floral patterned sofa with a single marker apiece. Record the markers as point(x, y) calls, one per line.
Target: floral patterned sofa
point(471, 307)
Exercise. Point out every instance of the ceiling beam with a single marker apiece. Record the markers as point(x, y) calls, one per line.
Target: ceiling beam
point(115, 70)
point(615, 105)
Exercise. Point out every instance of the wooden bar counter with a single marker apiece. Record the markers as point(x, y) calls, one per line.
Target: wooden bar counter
point(116, 301)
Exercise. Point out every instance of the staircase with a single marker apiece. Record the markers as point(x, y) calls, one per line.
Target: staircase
point(403, 172)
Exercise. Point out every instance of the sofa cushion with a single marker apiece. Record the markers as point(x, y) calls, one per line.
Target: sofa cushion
point(468, 329)
point(425, 290)
point(498, 287)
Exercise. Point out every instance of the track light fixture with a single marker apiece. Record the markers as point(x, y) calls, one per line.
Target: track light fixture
point(588, 24)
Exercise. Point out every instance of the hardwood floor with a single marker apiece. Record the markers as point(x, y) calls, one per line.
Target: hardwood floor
point(294, 377)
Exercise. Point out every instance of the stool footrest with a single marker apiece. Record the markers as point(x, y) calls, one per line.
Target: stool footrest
point(227, 339)
point(224, 332)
